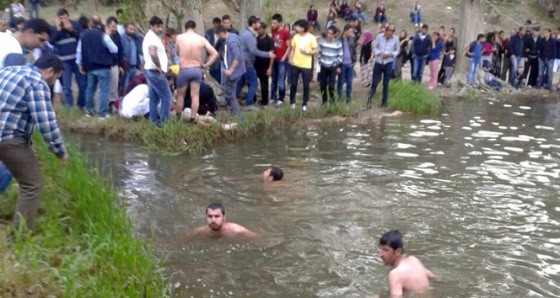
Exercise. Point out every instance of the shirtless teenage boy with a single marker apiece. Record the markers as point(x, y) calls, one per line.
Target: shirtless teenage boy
point(190, 47)
point(408, 275)
point(217, 227)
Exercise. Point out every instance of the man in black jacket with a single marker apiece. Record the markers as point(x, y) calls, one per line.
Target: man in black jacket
point(212, 36)
point(547, 54)
point(263, 66)
point(515, 50)
point(531, 45)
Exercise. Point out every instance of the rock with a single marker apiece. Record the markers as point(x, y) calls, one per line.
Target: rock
point(217, 89)
point(393, 114)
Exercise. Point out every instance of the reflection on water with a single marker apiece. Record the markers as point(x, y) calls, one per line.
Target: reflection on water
point(474, 191)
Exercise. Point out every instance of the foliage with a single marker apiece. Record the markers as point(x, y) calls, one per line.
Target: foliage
point(410, 97)
point(84, 244)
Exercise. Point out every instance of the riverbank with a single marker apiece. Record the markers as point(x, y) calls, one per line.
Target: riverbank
point(83, 244)
point(179, 137)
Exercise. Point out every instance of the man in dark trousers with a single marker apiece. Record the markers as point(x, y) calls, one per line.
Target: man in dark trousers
point(212, 36)
point(515, 51)
point(263, 66)
point(547, 54)
point(64, 38)
point(531, 45)
point(234, 68)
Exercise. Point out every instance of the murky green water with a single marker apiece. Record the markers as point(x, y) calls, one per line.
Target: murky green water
point(475, 192)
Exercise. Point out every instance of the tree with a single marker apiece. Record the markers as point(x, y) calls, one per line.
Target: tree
point(471, 24)
point(184, 10)
point(245, 9)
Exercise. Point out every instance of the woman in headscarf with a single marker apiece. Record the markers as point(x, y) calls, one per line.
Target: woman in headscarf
point(366, 71)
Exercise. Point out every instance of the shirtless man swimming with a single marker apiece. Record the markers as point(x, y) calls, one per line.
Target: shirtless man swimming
point(273, 174)
point(190, 47)
point(217, 227)
point(408, 275)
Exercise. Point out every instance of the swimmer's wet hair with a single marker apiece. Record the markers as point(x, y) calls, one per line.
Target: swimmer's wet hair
point(276, 173)
point(392, 238)
point(215, 206)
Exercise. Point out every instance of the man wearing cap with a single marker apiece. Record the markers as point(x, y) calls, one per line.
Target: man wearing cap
point(25, 102)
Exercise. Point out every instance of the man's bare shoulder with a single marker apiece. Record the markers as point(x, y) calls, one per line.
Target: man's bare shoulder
point(235, 228)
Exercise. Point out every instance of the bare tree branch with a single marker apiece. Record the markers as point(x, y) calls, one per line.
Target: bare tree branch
point(502, 13)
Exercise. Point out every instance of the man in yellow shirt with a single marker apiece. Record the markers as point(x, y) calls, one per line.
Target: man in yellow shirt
point(304, 46)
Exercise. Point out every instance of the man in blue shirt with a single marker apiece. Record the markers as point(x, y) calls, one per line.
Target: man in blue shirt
point(420, 49)
point(25, 102)
point(132, 51)
point(474, 51)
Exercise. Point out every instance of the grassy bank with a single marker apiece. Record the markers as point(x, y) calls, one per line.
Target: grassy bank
point(413, 98)
point(83, 245)
point(178, 136)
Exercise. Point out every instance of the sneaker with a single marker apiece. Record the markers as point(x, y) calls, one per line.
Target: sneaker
point(293, 106)
point(272, 103)
point(104, 117)
point(251, 108)
point(89, 114)
point(304, 109)
point(279, 103)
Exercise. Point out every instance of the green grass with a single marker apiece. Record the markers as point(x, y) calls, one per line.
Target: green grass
point(83, 243)
point(470, 95)
point(178, 136)
point(409, 97)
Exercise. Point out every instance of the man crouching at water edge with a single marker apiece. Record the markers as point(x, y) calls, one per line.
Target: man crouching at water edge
point(409, 274)
point(217, 227)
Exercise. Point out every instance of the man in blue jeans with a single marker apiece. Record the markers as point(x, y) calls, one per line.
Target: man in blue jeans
point(385, 48)
point(474, 51)
point(547, 54)
point(132, 51)
point(155, 69)
point(282, 47)
point(348, 59)
point(33, 9)
point(250, 50)
point(421, 46)
point(94, 58)
point(64, 39)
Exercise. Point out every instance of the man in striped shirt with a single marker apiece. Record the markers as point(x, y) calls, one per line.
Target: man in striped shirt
point(330, 58)
point(25, 102)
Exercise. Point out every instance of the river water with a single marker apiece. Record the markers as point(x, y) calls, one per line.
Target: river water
point(475, 192)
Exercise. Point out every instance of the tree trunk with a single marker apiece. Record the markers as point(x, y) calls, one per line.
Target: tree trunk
point(471, 24)
point(193, 11)
point(250, 8)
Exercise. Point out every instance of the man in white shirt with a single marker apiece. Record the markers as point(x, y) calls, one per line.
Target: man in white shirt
point(33, 35)
point(155, 68)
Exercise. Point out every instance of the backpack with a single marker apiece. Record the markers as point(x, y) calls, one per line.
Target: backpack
point(487, 49)
point(472, 46)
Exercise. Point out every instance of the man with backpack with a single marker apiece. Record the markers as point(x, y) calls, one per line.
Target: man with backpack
point(474, 52)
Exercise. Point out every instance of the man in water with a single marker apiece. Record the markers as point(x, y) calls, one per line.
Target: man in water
point(273, 174)
point(217, 227)
point(190, 47)
point(408, 275)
